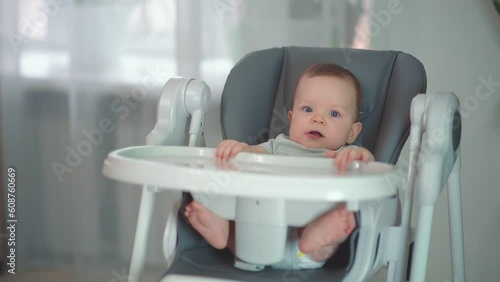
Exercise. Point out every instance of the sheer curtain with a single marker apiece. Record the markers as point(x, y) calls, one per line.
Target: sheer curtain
point(80, 78)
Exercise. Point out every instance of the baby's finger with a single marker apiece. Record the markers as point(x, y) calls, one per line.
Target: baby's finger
point(340, 159)
point(349, 157)
point(235, 150)
point(353, 155)
point(227, 151)
point(218, 150)
point(345, 161)
point(368, 157)
point(365, 157)
point(222, 147)
point(336, 160)
point(219, 154)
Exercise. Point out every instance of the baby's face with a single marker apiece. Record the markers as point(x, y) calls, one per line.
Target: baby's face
point(323, 114)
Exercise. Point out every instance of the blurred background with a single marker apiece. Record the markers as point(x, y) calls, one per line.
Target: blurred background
point(68, 66)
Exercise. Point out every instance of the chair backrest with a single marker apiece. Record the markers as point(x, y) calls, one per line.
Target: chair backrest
point(259, 93)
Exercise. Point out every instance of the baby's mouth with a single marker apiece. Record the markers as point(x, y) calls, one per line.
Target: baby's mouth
point(315, 133)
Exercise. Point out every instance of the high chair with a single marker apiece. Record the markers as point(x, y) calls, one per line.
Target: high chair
point(256, 98)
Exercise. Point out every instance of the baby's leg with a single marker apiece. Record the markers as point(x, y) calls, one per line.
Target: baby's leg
point(320, 238)
point(213, 228)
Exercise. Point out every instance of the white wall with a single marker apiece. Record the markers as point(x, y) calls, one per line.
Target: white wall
point(459, 44)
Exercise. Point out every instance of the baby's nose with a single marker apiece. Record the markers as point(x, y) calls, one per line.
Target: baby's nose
point(318, 119)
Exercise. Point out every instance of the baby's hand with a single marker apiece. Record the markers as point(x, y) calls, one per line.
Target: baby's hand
point(229, 149)
point(348, 155)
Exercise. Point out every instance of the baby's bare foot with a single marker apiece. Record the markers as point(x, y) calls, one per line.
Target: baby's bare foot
point(321, 237)
point(212, 227)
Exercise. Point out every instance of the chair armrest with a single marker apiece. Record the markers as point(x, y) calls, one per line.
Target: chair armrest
point(181, 100)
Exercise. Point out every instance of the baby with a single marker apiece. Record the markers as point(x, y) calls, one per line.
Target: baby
point(323, 122)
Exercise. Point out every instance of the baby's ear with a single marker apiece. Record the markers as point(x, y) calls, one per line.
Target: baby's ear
point(289, 115)
point(354, 132)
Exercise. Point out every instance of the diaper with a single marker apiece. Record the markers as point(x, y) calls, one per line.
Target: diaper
point(294, 258)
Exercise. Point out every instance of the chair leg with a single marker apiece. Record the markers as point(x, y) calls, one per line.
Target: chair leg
point(422, 242)
point(456, 226)
point(141, 235)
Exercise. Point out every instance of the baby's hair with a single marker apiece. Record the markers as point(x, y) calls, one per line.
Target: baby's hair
point(333, 70)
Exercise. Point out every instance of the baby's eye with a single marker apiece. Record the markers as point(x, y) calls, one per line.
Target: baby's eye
point(334, 114)
point(307, 109)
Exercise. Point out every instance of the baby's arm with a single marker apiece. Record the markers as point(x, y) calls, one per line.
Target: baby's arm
point(230, 148)
point(349, 154)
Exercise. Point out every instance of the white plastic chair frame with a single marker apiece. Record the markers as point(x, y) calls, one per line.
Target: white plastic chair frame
point(434, 154)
